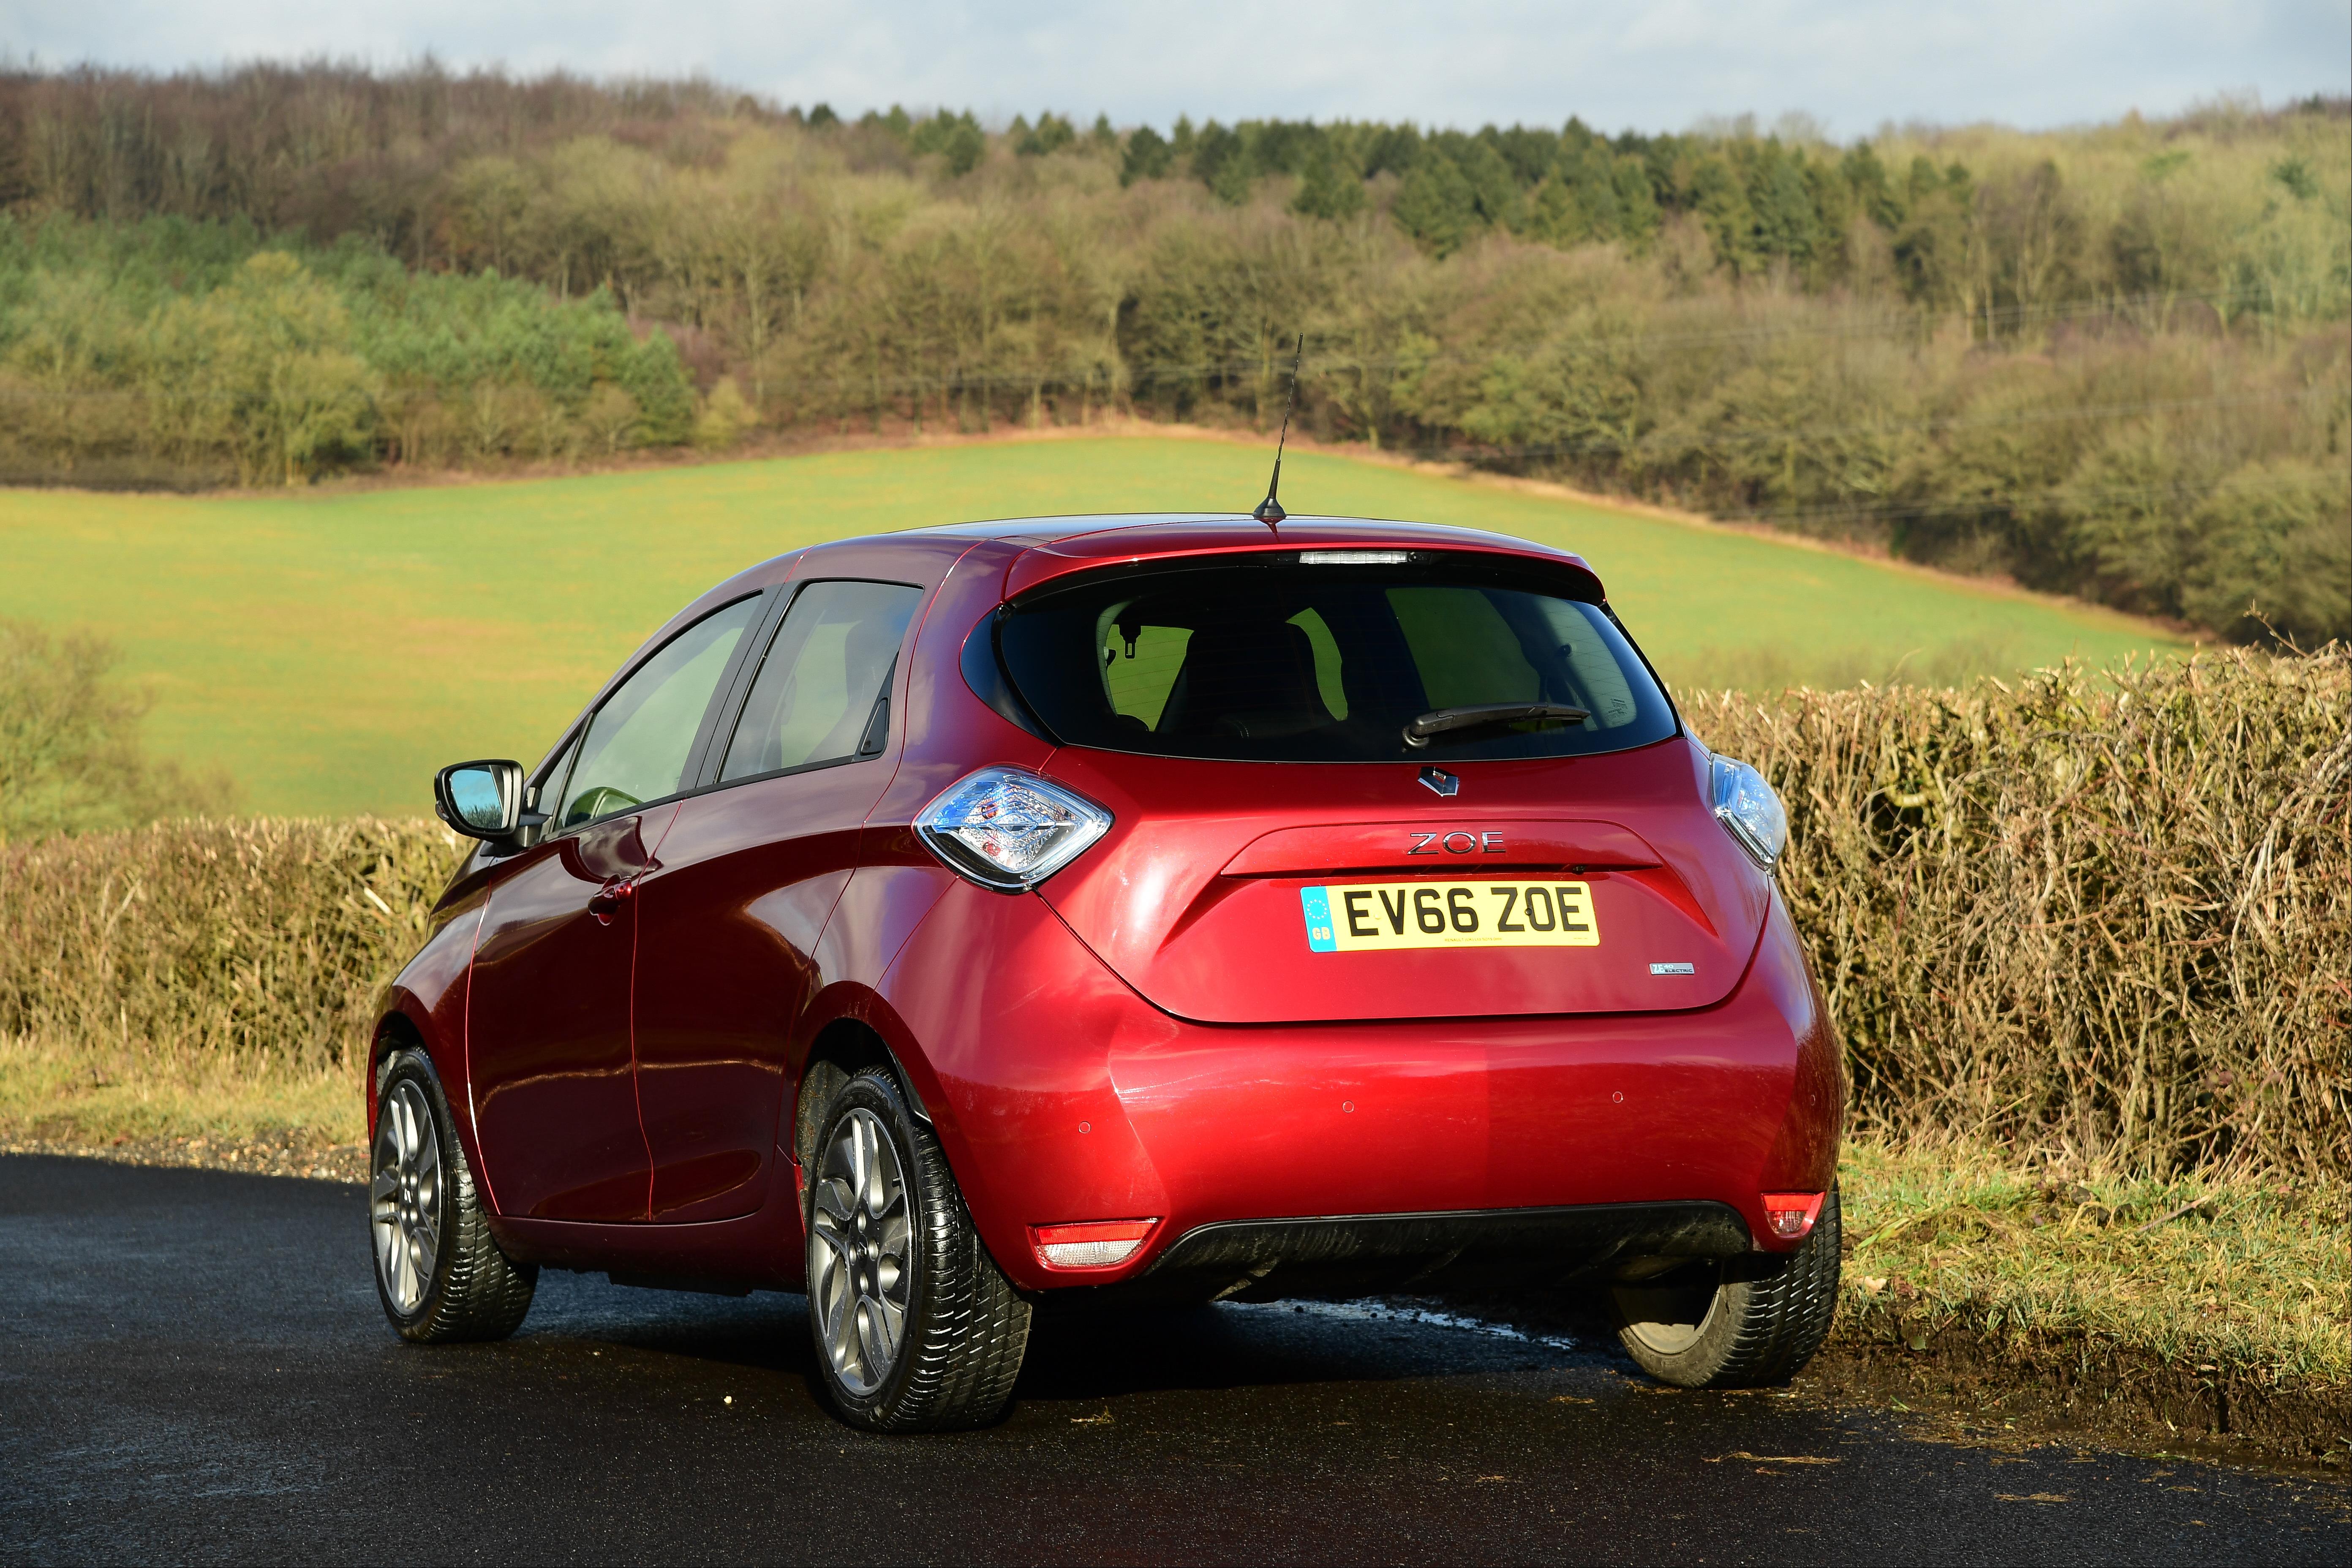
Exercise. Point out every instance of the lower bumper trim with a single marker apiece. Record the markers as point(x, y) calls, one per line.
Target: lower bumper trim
point(1344, 1255)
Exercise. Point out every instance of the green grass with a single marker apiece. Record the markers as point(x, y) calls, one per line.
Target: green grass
point(2231, 1272)
point(74, 1096)
point(331, 649)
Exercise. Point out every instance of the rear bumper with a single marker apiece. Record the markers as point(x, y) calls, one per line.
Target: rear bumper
point(1305, 1159)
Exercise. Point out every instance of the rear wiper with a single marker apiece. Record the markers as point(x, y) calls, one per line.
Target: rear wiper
point(1483, 715)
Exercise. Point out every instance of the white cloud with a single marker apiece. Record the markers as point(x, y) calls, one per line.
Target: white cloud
point(1850, 63)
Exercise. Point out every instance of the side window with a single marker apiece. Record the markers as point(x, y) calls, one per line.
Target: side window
point(821, 677)
point(636, 745)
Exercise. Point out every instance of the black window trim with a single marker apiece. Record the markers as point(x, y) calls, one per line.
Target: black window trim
point(1672, 707)
point(713, 756)
point(983, 664)
point(560, 757)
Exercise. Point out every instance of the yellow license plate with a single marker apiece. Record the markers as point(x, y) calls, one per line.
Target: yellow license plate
point(1388, 915)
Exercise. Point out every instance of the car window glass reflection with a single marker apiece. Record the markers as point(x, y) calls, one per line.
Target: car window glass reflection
point(822, 676)
point(636, 745)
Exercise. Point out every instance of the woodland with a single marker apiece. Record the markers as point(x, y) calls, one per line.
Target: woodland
point(2112, 361)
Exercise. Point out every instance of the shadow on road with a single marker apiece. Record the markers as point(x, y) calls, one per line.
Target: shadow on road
point(1077, 1356)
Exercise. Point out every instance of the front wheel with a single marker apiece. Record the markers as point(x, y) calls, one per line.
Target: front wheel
point(439, 1274)
point(917, 1330)
point(1737, 1323)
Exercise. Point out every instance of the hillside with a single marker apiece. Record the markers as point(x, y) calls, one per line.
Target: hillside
point(330, 650)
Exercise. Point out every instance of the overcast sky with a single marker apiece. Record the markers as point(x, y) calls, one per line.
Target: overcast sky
point(1652, 64)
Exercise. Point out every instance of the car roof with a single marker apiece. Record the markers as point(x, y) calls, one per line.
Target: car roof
point(1038, 549)
point(1042, 548)
point(1055, 545)
point(1180, 532)
point(1077, 544)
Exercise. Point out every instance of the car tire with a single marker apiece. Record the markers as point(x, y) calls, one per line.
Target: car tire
point(915, 1328)
point(439, 1272)
point(1737, 1323)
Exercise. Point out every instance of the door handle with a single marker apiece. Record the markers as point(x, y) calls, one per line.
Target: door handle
point(605, 901)
point(608, 899)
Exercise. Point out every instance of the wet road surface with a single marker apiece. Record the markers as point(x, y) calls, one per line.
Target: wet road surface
point(192, 1366)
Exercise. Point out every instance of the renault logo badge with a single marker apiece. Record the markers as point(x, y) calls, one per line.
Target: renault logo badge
point(1441, 782)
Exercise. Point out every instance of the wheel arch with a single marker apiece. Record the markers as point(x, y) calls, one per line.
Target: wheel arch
point(423, 1008)
point(405, 1023)
point(401, 1024)
point(398, 1028)
point(855, 1037)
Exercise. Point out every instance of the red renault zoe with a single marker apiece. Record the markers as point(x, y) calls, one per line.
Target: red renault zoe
point(981, 919)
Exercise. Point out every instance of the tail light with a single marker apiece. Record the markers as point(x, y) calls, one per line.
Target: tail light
point(1008, 829)
point(1791, 1216)
point(1749, 810)
point(1096, 1244)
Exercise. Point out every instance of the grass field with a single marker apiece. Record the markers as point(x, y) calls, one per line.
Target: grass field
point(331, 649)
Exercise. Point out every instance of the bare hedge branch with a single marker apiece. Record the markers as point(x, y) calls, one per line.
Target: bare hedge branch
point(2105, 917)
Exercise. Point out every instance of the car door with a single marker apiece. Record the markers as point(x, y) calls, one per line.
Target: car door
point(749, 870)
point(548, 1045)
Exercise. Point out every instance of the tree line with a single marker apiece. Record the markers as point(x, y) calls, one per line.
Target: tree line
point(2112, 361)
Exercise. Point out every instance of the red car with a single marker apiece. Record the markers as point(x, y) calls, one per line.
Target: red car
point(970, 920)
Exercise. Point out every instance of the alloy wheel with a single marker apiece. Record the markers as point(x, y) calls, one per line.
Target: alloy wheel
point(1672, 1314)
point(860, 1273)
point(404, 1198)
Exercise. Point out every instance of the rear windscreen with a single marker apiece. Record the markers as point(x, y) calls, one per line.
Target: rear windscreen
point(1278, 661)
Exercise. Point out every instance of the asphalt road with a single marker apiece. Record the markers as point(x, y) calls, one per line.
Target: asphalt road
point(192, 1366)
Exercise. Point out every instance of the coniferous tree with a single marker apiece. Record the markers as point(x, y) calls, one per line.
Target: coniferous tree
point(1148, 157)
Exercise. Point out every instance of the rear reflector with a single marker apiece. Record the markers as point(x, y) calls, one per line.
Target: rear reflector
point(1792, 1215)
point(1096, 1244)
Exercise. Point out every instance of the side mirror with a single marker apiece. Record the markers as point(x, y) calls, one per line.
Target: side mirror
point(481, 800)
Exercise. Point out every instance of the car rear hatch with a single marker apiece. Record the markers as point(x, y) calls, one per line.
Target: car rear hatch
point(1282, 852)
point(1207, 908)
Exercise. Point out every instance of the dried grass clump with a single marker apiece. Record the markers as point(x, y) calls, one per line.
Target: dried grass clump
point(2103, 917)
point(255, 946)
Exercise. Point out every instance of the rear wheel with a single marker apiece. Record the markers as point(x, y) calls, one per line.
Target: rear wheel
point(438, 1273)
point(917, 1330)
point(1738, 1322)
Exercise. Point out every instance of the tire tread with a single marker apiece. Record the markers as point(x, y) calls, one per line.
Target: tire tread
point(1788, 1313)
point(1773, 1317)
point(480, 1294)
point(966, 1346)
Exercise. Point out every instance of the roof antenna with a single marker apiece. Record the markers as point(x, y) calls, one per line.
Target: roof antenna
point(1269, 510)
